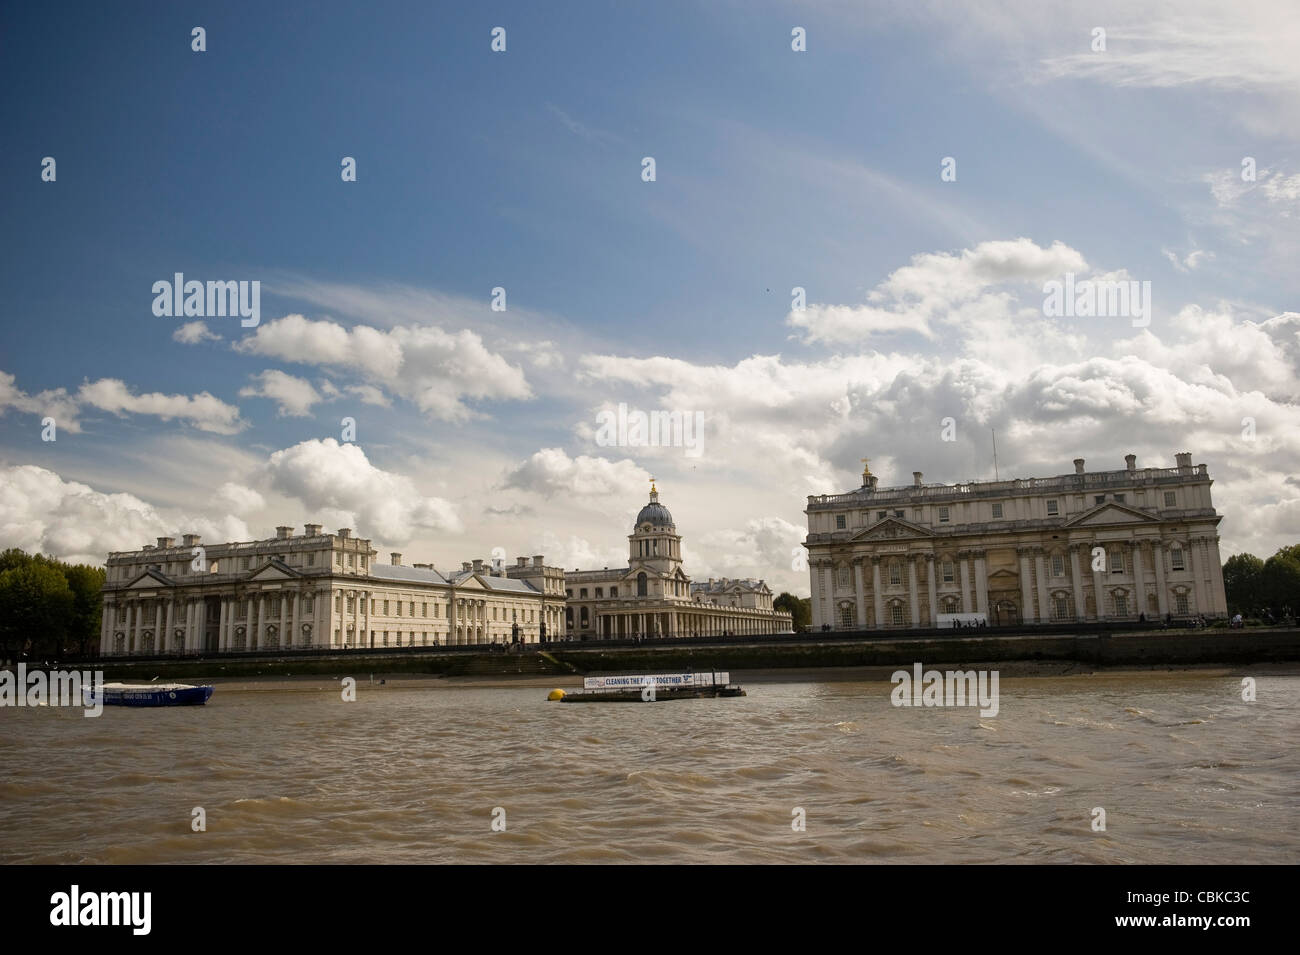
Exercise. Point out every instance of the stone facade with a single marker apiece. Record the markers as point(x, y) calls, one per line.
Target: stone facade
point(316, 591)
point(1087, 546)
point(653, 597)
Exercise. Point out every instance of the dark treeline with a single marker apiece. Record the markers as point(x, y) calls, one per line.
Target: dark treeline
point(1265, 589)
point(48, 609)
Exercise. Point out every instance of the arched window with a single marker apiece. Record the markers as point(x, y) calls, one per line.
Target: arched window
point(846, 617)
point(641, 585)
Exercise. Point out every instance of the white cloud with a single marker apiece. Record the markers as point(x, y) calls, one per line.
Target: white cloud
point(435, 369)
point(204, 411)
point(240, 499)
point(41, 512)
point(56, 404)
point(379, 504)
point(551, 472)
point(293, 396)
point(192, 333)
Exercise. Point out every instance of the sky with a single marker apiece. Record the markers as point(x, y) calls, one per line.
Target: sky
point(841, 249)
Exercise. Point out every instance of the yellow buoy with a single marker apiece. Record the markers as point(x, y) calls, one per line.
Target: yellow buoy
point(555, 695)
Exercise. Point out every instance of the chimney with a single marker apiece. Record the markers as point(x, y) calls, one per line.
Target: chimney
point(478, 565)
point(916, 479)
point(192, 540)
point(423, 566)
point(537, 560)
point(1078, 465)
point(311, 530)
point(1131, 461)
point(465, 565)
point(283, 533)
point(395, 559)
point(345, 532)
point(521, 561)
point(1184, 459)
point(165, 542)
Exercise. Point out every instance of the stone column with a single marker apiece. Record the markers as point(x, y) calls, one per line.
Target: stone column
point(256, 643)
point(1162, 592)
point(933, 587)
point(1044, 604)
point(105, 629)
point(283, 622)
point(363, 616)
point(189, 624)
point(861, 617)
point(913, 598)
point(981, 583)
point(1193, 566)
point(167, 624)
point(1027, 614)
point(1076, 578)
point(1098, 582)
point(814, 581)
point(963, 583)
point(877, 599)
point(1139, 583)
point(1219, 598)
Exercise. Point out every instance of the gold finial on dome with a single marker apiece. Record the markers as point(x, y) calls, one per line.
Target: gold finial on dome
point(653, 489)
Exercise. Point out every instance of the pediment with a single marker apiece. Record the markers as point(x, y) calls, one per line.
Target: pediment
point(892, 528)
point(274, 569)
point(1110, 513)
point(472, 582)
point(150, 580)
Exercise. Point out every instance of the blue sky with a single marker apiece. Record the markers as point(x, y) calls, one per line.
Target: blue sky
point(521, 169)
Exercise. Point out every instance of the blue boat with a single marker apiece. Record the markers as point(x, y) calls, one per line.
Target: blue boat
point(151, 694)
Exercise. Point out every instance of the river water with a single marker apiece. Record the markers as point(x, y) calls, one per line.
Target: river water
point(1184, 769)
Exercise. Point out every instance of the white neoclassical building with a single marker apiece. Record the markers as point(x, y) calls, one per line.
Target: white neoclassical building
point(1087, 546)
point(653, 597)
point(316, 591)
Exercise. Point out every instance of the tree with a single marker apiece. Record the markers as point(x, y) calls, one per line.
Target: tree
point(799, 609)
point(86, 582)
point(1281, 582)
point(36, 609)
point(1243, 583)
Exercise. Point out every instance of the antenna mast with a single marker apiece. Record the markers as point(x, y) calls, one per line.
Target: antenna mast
point(995, 454)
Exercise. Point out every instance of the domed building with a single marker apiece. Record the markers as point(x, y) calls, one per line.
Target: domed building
point(653, 597)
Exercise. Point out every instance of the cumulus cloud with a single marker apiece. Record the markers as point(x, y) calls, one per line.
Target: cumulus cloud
point(41, 512)
point(927, 292)
point(192, 333)
point(293, 396)
point(240, 499)
point(552, 472)
point(203, 411)
point(765, 547)
point(378, 504)
point(437, 370)
point(56, 403)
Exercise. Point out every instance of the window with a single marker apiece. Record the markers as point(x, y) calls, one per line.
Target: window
point(1053, 508)
point(1180, 604)
point(243, 563)
point(424, 610)
point(1099, 499)
point(363, 562)
point(398, 608)
point(583, 592)
point(842, 578)
point(1119, 498)
point(1060, 608)
point(352, 560)
point(311, 559)
point(351, 604)
point(1058, 565)
point(997, 510)
point(600, 591)
point(898, 513)
point(949, 604)
point(943, 515)
point(1117, 562)
point(412, 608)
point(895, 572)
point(1176, 558)
point(1169, 498)
point(896, 614)
point(385, 608)
point(846, 617)
point(338, 603)
point(840, 522)
point(568, 592)
point(881, 515)
point(949, 574)
point(642, 585)
point(613, 591)
point(1121, 605)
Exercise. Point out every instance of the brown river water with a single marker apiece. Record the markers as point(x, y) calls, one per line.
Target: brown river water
point(290, 773)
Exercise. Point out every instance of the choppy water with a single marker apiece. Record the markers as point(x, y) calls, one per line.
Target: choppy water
point(1185, 770)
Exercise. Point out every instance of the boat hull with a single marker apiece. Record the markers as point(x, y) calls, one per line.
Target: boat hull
point(661, 694)
point(156, 696)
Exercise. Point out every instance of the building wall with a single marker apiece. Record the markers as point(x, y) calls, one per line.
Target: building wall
point(1026, 550)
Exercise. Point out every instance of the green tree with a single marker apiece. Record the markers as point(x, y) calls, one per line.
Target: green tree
point(1243, 583)
point(86, 582)
point(36, 609)
point(799, 609)
point(1281, 581)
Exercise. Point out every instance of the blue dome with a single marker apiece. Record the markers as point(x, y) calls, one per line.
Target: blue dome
point(654, 514)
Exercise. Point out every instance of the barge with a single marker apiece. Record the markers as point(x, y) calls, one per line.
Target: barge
point(150, 694)
point(650, 688)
